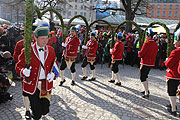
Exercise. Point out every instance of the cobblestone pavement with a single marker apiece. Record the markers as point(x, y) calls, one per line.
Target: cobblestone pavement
point(99, 100)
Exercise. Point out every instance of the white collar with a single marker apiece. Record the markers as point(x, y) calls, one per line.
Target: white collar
point(39, 47)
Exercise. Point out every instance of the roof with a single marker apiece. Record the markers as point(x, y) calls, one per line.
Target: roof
point(116, 19)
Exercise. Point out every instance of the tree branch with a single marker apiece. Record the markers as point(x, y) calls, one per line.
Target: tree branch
point(136, 7)
point(108, 8)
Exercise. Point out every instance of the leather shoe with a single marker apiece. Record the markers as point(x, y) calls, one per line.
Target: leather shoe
point(145, 96)
point(118, 83)
point(174, 113)
point(73, 82)
point(61, 83)
point(84, 78)
point(111, 81)
point(92, 79)
point(143, 92)
point(28, 115)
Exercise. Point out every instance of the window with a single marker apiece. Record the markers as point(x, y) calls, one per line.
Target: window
point(164, 14)
point(84, 7)
point(69, 7)
point(75, 0)
point(177, 6)
point(81, 6)
point(82, 1)
point(169, 14)
point(158, 6)
point(153, 6)
point(152, 13)
point(158, 13)
point(91, 1)
point(81, 13)
point(176, 14)
point(170, 7)
point(69, 13)
point(164, 7)
point(84, 14)
point(75, 6)
point(64, 13)
point(75, 13)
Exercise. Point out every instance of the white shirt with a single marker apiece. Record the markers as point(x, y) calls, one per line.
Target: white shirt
point(41, 57)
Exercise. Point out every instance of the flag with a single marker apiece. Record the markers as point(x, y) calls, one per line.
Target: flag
point(55, 68)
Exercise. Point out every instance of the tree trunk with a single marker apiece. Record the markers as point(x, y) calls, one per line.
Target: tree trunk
point(129, 16)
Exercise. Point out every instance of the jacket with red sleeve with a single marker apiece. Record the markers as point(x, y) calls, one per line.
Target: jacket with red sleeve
point(117, 52)
point(19, 46)
point(72, 47)
point(179, 67)
point(30, 86)
point(172, 64)
point(148, 53)
point(92, 48)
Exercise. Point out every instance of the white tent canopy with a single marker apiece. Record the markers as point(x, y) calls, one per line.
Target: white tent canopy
point(74, 22)
point(161, 29)
point(3, 21)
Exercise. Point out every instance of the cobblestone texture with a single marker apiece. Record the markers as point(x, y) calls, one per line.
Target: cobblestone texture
point(99, 100)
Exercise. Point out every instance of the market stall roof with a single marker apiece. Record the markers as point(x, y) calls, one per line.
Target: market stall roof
point(3, 21)
point(116, 19)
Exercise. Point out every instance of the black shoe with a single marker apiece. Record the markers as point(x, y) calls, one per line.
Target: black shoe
point(143, 92)
point(145, 96)
point(92, 79)
point(61, 83)
point(169, 107)
point(118, 83)
point(111, 81)
point(84, 78)
point(73, 82)
point(28, 115)
point(174, 113)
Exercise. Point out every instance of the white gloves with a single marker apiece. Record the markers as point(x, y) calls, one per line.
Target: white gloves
point(26, 72)
point(64, 44)
point(50, 76)
point(84, 47)
point(111, 50)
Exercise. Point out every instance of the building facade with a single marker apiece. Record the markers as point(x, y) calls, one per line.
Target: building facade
point(164, 9)
point(78, 7)
point(13, 12)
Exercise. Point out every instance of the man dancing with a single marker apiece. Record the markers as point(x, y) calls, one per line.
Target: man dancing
point(173, 74)
point(148, 56)
point(117, 56)
point(89, 56)
point(39, 84)
point(69, 55)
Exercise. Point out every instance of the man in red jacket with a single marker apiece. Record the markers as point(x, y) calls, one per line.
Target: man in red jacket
point(69, 55)
point(39, 84)
point(148, 56)
point(173, 77)
point(89, 56)
point(17, 51)
point(117, 56)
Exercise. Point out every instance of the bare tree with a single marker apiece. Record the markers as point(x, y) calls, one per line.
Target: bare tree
point(131, 8)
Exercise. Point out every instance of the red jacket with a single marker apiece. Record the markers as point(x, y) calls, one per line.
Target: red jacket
point(148, 53)
point(92, 48)
point(172, 64)
point(179, 67)
point(31, 85)
point(72, 47)
point(17, 50)
point(117, 53)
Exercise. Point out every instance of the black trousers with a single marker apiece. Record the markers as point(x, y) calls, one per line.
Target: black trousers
point(64, 65)
point(115, 68)
point(39, 106)
point(84, 64)
point(172, 86)
point(144, 71)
